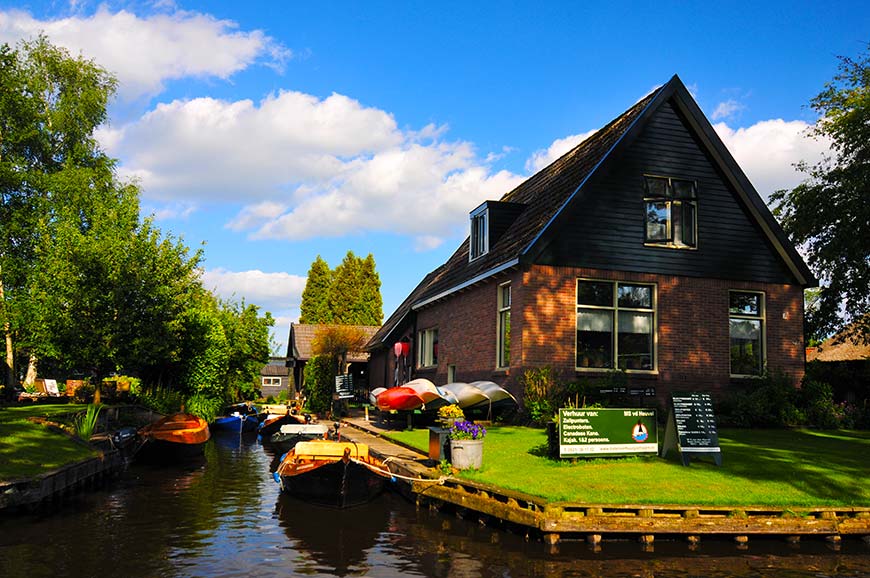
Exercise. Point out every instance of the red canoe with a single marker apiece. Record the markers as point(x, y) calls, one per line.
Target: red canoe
point(399, 398)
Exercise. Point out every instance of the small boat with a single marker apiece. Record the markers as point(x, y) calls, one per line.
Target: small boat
point(497, 396)
point(332, 473)
point(238, 418)
point(175, 437)
point(466, 394)
point(273, 423)
point(290, 434)
point(399, 398)
point(431, 396)
point(373, 395)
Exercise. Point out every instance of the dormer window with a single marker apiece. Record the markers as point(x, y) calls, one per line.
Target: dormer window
point(479, 239)
point(670, 212)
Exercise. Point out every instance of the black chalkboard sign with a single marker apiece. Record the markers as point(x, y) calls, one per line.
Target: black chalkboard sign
point(691, 428)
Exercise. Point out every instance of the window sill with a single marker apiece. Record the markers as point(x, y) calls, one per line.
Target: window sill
point(669, 246)
point(637, 372)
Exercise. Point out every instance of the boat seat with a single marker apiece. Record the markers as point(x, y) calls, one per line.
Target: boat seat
point(330, 449)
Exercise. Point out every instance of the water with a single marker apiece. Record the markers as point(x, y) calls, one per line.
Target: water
point(226, 517)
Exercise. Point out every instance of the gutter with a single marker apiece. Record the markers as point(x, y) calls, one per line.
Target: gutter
point(474, 280)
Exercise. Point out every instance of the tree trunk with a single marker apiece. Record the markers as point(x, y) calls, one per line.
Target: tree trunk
point(10, 353)
point(30, 378)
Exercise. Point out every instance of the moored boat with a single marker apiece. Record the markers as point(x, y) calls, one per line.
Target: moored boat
point(238, 418)
point(466, 394)
point(332, 473)
point(290, 434)
point(273, 423)
point(497, 397)
point(175, 437)
point(428, 392)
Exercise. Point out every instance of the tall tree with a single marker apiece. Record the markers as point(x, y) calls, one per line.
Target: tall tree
point(314, 308)
point(371, 302)
point(829, 213)
point(345, 291)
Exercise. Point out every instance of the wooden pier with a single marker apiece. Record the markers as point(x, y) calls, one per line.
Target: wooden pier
point(553, 521)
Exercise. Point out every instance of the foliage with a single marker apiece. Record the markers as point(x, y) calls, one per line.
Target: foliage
point(85, 392)
point(86, 423)
point(542, 393)
point(163, 400)
point(451, 411)
point(319, 383)
point(283, 396)
point(204, 406)
point(828, 214)
point(769, 401)
point(314, 308)
point(348, 295)
point(248, 348)
point(467, 430)
point(336, 341)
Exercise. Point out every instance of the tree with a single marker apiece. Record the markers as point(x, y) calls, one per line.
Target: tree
point(314, 308)
point(336, 341)
point(248, 341)
point(829, 214)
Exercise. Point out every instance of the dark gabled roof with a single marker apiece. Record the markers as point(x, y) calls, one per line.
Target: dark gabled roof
point(302, 337)
point(546, 194)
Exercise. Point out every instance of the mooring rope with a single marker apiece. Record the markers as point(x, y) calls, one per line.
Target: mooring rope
point(393, 476)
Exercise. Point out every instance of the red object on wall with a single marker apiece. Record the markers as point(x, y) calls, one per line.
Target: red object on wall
point(406, 348)
point(397, 348)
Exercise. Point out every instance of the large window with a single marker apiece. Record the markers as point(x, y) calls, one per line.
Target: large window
point(504, 325)
point(478, 241)
point(427, 348)
point(670, 212)
point(615, 325)
point(746, 329)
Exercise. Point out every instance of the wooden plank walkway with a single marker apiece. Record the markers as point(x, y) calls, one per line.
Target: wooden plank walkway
point(553, 521)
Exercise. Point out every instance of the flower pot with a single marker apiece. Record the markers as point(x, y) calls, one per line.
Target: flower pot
point(466, 454)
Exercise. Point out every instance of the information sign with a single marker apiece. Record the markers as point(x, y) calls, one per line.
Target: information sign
point(596, 432)
point(691, 428)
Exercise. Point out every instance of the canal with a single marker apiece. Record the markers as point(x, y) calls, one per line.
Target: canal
point(225, 516)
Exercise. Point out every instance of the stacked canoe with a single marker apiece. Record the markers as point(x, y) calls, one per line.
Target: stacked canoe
point(423, 394)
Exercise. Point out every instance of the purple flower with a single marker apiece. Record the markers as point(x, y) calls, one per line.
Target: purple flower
point(466, 430)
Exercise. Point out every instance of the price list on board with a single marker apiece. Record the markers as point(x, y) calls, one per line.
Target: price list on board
point(691, 428)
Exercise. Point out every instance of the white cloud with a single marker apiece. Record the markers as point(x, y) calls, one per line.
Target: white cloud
point(269, 291)
point(727, 109)
point(768, 150)
point(543, 157)
point(304, 167)
point(145, 52)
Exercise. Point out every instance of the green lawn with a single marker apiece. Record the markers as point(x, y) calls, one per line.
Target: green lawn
point(779, 468)
point(28, 449)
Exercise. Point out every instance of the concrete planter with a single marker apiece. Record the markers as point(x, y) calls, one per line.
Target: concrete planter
point(465, 454)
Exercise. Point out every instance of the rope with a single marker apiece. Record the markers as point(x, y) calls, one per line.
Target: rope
point(390, 474)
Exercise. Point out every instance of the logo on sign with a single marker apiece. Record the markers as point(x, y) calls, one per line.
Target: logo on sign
point(639, 432)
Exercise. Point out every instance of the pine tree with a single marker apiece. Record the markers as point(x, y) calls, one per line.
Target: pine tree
point(314, 308)
point(344, 294)
point(371, 303)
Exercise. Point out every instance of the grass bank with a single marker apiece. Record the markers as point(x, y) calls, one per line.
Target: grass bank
point(28, 449)
point(774, 468)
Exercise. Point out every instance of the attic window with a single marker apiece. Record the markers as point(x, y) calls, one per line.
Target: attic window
point(479, 241)
point(670, 212)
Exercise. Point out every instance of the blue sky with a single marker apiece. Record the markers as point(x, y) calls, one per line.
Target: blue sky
point(276, 131)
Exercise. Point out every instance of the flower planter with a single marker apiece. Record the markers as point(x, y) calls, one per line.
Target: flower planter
point(465, 454)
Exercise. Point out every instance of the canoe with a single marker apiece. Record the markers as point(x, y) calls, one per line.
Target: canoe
point(466, 394)
point(497, 396)
point(428, 392)
point(373, 395)
point(179, 436)
point(289, 435)
point(332, 473)
point(399, 398)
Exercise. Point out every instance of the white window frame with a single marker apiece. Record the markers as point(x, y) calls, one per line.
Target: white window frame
point(761, 317)
point(615, 308)
point(504, 314)
point(675, 237)
point(271, 381)
point(427, 353)
point(478, 239)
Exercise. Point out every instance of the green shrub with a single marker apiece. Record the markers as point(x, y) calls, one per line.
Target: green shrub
point(769, 401)
point(161, 399)
point(542, 394)
point(320, 383)
point(204, 406)
point(85, 392)
point(86, 422)
point(270, 400)
point(283, 396)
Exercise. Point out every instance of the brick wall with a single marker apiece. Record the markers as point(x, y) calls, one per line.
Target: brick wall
point(692, 340)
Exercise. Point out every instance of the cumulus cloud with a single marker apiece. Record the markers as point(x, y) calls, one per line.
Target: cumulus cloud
point(303, 167)
point(145, 52)
point(270, 291)
point(768, 150)
point(544, 157)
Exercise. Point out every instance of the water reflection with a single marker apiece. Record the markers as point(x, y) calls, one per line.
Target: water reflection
point(225, 516)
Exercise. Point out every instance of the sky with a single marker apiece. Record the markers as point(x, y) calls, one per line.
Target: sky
point(270, 132)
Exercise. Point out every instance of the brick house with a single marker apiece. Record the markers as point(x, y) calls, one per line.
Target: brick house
point(645, 248)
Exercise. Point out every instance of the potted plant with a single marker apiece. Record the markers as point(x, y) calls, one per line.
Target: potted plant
point(466, 445)
point(449, 414)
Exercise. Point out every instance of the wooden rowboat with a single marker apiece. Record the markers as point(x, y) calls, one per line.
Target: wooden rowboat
point(332, 473)
point(175, 437)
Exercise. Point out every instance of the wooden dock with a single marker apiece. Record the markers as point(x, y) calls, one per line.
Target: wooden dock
point(551, 522)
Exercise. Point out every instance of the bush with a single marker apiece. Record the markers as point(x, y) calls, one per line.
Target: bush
point(320, 383)
point(204, 406)
point(161, 399)
point(283, 396)
point(770, 401)
point(270, 400)
point(85, 392)
point(542, 394)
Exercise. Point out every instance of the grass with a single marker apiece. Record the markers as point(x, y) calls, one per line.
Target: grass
point(28, 449)
point(768, 468)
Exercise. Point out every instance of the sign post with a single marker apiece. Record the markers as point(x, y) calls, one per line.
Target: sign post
point(598, 432)
point(691, 428)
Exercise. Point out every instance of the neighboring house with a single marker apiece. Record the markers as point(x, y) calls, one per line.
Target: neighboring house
point(299, 352)
point(274, 377)
point(843, 361)
point(644, 248)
